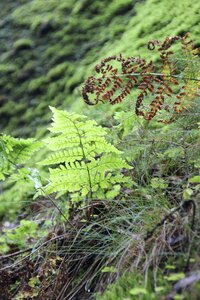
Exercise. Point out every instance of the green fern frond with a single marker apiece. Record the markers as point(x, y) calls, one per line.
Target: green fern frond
point(15, 152)
point(84, 160)
point(19, 150)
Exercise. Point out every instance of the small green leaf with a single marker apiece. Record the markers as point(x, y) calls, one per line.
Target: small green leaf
point(192, 260)
point(33, 281)
point(170, 267)
point(195, 179)
point(158, 183)
point(114, 192)
point(137, 291)
point(175, 277)
point(159, 289)
point(107, 269)
point(179, 297)
point(187, 193)
point(174, 152)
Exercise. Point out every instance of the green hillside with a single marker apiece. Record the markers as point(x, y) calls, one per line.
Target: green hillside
point(48, 49)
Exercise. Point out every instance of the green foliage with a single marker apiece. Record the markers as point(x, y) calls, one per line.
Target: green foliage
point(15, 195)
point(21, 235)
point(131, 286)
point(14, 153)
point(49, 57)
point(107, 269)
point(19, 178)
point(195, 179)
point(158, 183)
point(187, 193)
point(127, 287)
point(175, 277)
point(86, 163)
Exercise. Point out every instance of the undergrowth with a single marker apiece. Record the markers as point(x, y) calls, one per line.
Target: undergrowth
point(119, 203)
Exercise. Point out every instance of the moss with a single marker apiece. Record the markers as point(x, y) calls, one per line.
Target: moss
point(63, 55)
point(37, 85)
point(79, 34)
point(53, 90)
point(23, 44)
point(7, 69)
point(119, 7)
point(57, 72)
point(125, 287)
point(73, 81)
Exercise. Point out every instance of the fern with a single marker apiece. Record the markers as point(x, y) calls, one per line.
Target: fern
point(84, 161)
point(15, 152)
point(163, 90)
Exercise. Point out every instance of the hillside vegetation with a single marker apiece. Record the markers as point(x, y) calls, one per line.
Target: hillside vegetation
point(47, 51)
point(99, 150)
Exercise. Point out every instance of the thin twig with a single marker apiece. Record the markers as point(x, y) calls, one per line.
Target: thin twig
point(15, 253)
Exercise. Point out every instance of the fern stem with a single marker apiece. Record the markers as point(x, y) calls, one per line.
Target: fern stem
point(59, 209)
point(85, 159)
point(154, 74)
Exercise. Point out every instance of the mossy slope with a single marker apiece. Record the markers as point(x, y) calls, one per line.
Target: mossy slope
point(48, 50)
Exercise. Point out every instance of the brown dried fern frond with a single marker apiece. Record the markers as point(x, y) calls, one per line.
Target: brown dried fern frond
point(162, 90)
